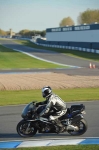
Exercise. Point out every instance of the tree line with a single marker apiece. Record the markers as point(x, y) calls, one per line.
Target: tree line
point(24, 32)
point(2, 32)
point(89, 16)
point(32, 33)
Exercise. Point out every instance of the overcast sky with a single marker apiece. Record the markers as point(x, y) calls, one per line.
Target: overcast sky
point(40, 14)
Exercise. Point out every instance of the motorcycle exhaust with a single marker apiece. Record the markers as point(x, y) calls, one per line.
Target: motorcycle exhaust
point(72, 128)
point(74, 120)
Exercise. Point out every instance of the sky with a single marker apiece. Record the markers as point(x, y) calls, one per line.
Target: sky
point(40, 14)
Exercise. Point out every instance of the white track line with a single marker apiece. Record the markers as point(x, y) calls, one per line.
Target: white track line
point(31, 55)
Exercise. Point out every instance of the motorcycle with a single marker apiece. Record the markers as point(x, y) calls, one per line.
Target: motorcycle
point(74, 121)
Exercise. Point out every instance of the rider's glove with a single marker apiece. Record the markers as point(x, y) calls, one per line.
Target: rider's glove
point(37, 104)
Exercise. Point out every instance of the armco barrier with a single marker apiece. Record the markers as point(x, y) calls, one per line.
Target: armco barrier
point(57, 142)
point(72, 48)
point(68, 47)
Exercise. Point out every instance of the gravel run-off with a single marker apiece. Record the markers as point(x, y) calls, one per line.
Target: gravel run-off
point(28, 81)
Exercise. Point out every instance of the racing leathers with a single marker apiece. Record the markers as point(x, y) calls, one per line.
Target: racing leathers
point(56, 103)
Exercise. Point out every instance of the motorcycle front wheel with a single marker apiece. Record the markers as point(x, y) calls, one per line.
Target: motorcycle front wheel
point(25, 129)
point(82, 128)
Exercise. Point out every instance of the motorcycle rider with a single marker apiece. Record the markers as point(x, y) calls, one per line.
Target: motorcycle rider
point(53, 101)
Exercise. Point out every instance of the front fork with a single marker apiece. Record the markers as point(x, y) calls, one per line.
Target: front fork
point(28, 127)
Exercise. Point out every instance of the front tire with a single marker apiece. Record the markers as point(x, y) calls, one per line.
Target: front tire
point(82, 126)
point(24, 129)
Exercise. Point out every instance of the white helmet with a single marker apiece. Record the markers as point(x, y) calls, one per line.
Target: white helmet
point(46, 91)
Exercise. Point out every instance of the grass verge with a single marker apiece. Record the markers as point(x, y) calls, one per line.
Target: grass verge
point(74, 53)
point(69, 147)
point(10, 59)
point(68, 95)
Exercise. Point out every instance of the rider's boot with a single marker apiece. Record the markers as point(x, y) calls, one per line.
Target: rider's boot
point(59, 127)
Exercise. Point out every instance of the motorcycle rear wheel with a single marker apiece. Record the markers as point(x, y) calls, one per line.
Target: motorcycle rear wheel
point(82, 125)
point(24, 131)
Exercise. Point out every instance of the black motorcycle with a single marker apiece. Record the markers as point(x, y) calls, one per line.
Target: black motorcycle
point(73, 120)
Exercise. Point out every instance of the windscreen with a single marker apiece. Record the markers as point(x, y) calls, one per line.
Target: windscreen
point(28, 107)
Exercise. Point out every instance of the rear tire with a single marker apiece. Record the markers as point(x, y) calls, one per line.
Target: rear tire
point(25, 131)
point(82, 125)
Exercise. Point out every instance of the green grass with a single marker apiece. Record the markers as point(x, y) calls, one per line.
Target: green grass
point(69, 147)
point(12, 59)
point(74, 53)
point(68, 95)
